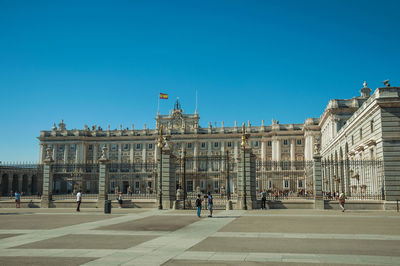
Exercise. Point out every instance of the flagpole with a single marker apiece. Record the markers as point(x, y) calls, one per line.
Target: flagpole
point(158, 106)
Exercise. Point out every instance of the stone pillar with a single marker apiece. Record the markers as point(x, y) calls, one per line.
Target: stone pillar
point(103, 182)
point(144, 153)
point(166, 171)
point(292, 154)
point(66, 150)
point(41, 153)
point(47, 190)
point(95, 153)
point(236, 151)
point(131, 153)
point(20, 177)
point(119, 152)
point(195, 154)
point(317, 174)
point(77, 153)
point(83, 153)
point(247, 171)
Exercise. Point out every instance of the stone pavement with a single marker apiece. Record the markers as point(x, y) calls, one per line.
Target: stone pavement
point(167, 237)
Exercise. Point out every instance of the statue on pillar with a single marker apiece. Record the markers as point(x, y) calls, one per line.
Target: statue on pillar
point(244, 136)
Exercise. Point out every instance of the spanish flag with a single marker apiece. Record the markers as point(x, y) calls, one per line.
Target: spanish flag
point(163, 96)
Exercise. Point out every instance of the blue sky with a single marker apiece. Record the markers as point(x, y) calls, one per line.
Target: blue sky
point(104, 62)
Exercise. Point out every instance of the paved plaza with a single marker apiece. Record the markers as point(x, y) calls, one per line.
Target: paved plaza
point(168, 237)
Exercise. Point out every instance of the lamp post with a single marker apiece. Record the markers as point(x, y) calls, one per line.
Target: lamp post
point(160, 144)
point(244, 142)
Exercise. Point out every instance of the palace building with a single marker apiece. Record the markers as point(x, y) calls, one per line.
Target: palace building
point(366, 127)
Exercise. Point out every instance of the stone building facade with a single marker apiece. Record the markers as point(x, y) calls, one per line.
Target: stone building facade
point(362, 128)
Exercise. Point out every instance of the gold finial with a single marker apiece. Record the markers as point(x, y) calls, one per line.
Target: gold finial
point(244, 138)
point(160, 139)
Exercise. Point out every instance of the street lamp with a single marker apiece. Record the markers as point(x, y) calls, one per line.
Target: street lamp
point(244, 143)
point(160, 144)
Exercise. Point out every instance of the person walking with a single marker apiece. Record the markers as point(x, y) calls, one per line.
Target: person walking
point(342, 199)
point(263, 199)
point(120, 201)
point(210, 203)
point(17, 199)
point(78, 201)
point(198, 204)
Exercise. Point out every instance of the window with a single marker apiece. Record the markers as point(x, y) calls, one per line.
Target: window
point(229, 144)
point(269, 184)
point(352, 140)
point(285, 142)
point(114, 147)
point(189, 186)
point(150, 146)
point(72, 147)
point(216, 144)
point(90, 147)
point(61, 147)
point(372, 125)
point(126, 147)
point(138, 146)
point(255, 143)
point(216, 184)
point(299, 142)
point(300, 185)
point(269, 143)
point(202, 184)
point(286, 183)
point(189, 145)
point(137, 185)
point(361, 133)
point(149, 184)
point(203, 144)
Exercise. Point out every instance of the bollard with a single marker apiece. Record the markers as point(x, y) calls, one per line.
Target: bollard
point(107, 206)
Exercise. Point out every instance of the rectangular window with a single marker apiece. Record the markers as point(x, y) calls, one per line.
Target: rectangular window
point(285, 142)
point(203, 144)
point(255, 143)
point(361, 136)
point(269, 143)
point(299, 142)
point(269, 184)
point(189, 185)
point(216, 144)
point(114, 147)
point(352, 140)
point(61, 147)
point(137, 185)
point(138, 146)
point(90, 147)
point(216, 184)
point(72, 147)
point(189, 145)
point(126, 147)
point(202, 184)
point(229, 144)
point(372, 126)
point(286, 183)
point(300, 183)
point(149, 184)
point(150, 146)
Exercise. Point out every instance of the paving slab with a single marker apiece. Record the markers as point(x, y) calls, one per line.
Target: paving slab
point(315, 224)
point(154, 223)
point(87, 242)
point(2, 236)
point(42, 261)
point(241, 263)
point(299, 246)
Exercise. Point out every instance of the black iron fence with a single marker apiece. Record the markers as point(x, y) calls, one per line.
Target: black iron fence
point(359, 180)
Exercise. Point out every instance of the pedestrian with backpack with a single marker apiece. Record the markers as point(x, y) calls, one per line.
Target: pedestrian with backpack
point(198, 205)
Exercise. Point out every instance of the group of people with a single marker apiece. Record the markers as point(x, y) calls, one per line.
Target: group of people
point(210, 204)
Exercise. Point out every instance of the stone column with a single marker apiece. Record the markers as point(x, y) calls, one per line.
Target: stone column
point(47, 190)
point(119, 152)
point(20, 177)
point(195, 154)
point(247, 172)
point(292, 154)
point(317, 174)
point(83, 152)
point(77, 153)
point(144, 153)
point(131, 153)
point(41, 153)
point(95, 153)
point(54, 152)
point(166, 172)
point(66, 150)
point(236, 151)
point(103, 179)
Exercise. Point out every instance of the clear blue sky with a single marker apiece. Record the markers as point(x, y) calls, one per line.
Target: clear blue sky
point(104, 62)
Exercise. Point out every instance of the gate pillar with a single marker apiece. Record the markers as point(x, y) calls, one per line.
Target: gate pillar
point(246, 187)
point(47, 191)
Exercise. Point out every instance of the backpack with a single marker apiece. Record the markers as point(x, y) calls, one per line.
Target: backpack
point(210, 200)
point(198, 202)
